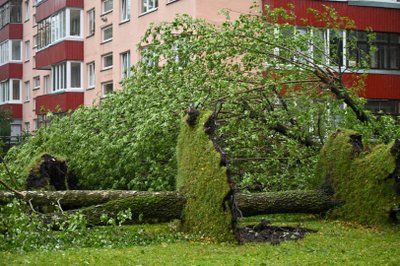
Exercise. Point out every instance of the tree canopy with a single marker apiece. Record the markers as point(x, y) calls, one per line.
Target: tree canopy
point(275, 88)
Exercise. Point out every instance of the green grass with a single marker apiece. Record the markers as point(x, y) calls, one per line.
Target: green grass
point(335, 243)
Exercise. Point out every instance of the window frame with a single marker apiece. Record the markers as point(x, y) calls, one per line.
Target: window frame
point(103, 57)
point(103, 11)
point(126, 9)
point(103, 84)
point(7, 91)
point(126, 64)
point(36, 85)
point(27, 89)
point(27, 49)
point(146, 8)
point(61, 78)
point(91, 75)
point(91, 14)
point(103, 32)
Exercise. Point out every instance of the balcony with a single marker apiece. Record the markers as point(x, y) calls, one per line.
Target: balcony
point(58, 102)
point(11, 71)
point(48, 8)
point(62, 51)
point(14, 108)
point(11, 31)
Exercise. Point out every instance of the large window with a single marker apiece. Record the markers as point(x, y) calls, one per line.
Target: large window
point(4, 91)
point(386, 54)
point(10, 50)
point(125, 10)
point(10, 13)
point(107, 6)
point(149, 5)
point(125, 64)
point(64, 24)
point(67, 75)
point(91, 21)
point(91, 73)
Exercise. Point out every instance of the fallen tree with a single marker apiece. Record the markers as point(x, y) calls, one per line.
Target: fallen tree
point(165, 206)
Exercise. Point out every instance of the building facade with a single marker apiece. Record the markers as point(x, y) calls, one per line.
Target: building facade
point(382, 87)
point(56, 55)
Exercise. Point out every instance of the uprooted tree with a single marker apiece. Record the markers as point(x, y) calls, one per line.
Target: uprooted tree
point(241, 69)
point(275, 90)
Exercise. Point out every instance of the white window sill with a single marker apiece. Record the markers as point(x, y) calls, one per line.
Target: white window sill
point(91, 88)
point(124, 21)
point(148, 12)
point(107, 68)
point(106, 41)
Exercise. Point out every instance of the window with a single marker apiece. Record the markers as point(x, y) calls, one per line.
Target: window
point(75, 22)
point(36, 83)
point(107, 6)
point(108, 87)
point(385, 106)
point(92, 21)
point(16, 50)
point(66, 75)
point(10, 13)
point(14, 94)
point(34, 41)
point(27, 91)
point(386, 56)
point(56, 27)
point(107, 33)
point(76, 75)
point(91, 75)
point(4, 91)
point(125, 10)
point(107, 61)
point(59, 74)
point(125, 64)
point(149, 5)
point(47, 84)
point(16, 89)
point(27, 50)
point(27, 10)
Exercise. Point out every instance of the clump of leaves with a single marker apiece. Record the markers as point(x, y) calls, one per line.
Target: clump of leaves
point(21, 230)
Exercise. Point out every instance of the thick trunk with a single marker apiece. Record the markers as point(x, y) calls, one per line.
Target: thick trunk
point(165, 206)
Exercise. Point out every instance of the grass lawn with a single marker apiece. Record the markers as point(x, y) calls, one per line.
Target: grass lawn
point(335, 243)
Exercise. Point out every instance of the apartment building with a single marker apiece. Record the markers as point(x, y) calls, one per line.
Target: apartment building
point(382, 87)
point(56, 55)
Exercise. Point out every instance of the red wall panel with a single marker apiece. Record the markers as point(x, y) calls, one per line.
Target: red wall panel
point(11, 31)
point(62, 51)
point(16, 110)
point(379, 86)
point(8, 71)
point(50, 7)
point(380, 19)
point(54, 102)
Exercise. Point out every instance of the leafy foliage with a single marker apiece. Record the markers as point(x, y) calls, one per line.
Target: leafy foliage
point(273, 95)
point(21, 231)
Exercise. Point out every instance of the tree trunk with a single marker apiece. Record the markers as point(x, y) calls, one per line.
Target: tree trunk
point(165, 206)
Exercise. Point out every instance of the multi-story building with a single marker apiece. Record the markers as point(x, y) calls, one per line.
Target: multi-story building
point(56, 55)
point(382, 87)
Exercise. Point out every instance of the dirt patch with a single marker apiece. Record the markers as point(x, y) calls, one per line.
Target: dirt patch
point(265, 232)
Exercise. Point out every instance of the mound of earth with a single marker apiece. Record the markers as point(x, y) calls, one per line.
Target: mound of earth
point(264, 232)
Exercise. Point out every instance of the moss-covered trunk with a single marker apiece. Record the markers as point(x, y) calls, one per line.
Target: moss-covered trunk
point(166, 206)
